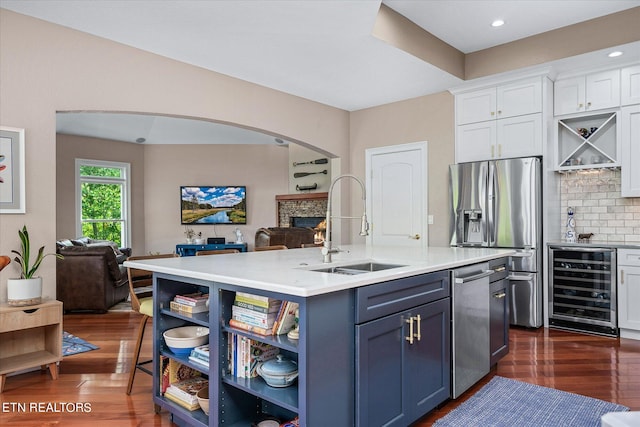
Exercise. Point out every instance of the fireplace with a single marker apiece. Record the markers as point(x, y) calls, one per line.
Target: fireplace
point(302, 210)
point(305, 221)
point(315, 222)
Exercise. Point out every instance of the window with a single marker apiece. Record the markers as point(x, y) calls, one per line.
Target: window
point(102, 195)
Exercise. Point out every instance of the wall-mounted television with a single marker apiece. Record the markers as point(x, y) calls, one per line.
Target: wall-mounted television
point(213, 204)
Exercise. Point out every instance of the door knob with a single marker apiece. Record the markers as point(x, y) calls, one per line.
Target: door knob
point(415, 237)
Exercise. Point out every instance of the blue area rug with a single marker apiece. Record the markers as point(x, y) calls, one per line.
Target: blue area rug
point(73, 345)
point(507, 403)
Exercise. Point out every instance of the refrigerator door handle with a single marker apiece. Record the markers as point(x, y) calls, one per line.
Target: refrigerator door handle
point(491, 205)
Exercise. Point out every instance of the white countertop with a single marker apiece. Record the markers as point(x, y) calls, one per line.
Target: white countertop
point(595, 244)
point(287, 271)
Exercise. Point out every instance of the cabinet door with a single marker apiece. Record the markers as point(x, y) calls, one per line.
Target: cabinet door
point(603, 90)
point(630, 151)
point(478, 106)
point(630, 85)
point(519, 99)
point(429, 359)
point(397, 381)
point(380, 370)
point(499, 320)
point(629, 289)
point(568, 96)
point(476, 142)
point(519, 136)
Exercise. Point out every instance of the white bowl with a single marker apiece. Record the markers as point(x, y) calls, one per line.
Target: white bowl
point(184, 339)
point(203, 399)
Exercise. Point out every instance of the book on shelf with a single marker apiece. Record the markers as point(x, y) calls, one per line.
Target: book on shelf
point(272, 308)
point(186, 405)
point(186, 308)
point(287, 319)
point(186, 390)
point(198, 361)
point(193, 299)
point(172, 371)
point(200, 355)
point(247, 327)
point(202, 350)
point(245, 354)
point(258, 300)
point(255, 319)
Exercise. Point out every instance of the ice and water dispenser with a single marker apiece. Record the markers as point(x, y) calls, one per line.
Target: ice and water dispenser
point(473, 226)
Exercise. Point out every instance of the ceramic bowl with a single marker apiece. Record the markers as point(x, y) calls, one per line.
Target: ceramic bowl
point(184, 339)
point(203, 399)
point(278, 372)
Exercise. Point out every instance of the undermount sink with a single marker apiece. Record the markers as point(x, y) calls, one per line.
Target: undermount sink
point(360, 268)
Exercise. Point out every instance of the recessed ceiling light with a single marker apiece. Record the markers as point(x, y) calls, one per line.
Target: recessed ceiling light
point(614, 54)
point(497, 23)
point(140, 140)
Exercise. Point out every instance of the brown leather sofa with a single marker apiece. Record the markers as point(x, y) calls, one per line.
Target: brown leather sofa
point(291, 237)
point(89, 278)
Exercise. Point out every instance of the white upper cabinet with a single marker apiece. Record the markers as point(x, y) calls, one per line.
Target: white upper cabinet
point(630, 151)
point(502, 121)
point(499, 102)
point(630, 85)
point(519, 136)
point(587, 93)
point(477, 106)
point(519, 99)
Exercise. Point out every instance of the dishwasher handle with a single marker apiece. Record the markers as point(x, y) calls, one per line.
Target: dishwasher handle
point(485, 273)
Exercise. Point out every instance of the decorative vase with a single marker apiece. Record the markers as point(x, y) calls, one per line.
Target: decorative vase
point(24, 292)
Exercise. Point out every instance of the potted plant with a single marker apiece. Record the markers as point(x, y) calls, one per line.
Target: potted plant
point(188, 231)
point(27, 290)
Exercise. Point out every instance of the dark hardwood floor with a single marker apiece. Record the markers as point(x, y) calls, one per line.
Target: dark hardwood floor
point(599, 367)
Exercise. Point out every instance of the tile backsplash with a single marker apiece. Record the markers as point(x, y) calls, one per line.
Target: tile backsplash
point(598, 206)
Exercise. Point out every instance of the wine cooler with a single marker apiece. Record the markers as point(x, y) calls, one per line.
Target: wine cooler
point(583, 289)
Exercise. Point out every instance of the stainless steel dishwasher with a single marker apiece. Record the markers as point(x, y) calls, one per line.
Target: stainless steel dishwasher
point(470, 326)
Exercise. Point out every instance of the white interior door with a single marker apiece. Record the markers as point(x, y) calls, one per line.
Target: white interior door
point(397, 194)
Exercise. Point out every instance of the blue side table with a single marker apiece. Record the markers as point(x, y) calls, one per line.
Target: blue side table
point(190, 250)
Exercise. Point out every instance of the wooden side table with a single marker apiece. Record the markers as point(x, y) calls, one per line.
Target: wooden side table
point(30, 336)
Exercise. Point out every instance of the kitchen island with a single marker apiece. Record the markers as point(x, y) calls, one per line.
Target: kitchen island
point(357, 332)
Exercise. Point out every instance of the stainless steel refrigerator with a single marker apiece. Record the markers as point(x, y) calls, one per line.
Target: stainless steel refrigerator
point(498, 204)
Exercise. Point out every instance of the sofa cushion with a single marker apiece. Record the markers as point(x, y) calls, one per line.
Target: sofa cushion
point(146, 306)
point(64, 243)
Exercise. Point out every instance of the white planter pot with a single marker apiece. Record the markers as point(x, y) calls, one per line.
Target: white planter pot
point(23, 292)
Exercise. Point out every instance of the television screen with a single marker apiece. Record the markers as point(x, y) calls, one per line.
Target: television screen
point(213, 205)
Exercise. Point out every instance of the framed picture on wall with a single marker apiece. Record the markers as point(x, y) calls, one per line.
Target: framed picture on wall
point(12, 174)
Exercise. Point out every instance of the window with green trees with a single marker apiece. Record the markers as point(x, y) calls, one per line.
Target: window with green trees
point(103, 195)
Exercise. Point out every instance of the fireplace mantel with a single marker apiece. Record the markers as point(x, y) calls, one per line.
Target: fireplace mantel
point(305, 204)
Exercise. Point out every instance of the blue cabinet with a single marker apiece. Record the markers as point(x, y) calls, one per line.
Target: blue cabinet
point(384, 378)
point(190, 250)
point(403, 359)
point(323, 393)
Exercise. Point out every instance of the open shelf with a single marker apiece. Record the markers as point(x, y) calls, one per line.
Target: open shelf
point(587, 142)
point(286, 397)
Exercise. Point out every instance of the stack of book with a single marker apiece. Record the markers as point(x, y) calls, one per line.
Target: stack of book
point(245, 354)
point(184, 392)
point(262, 315)
point(180, 383)
point(200, 355)
point(189, 304)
